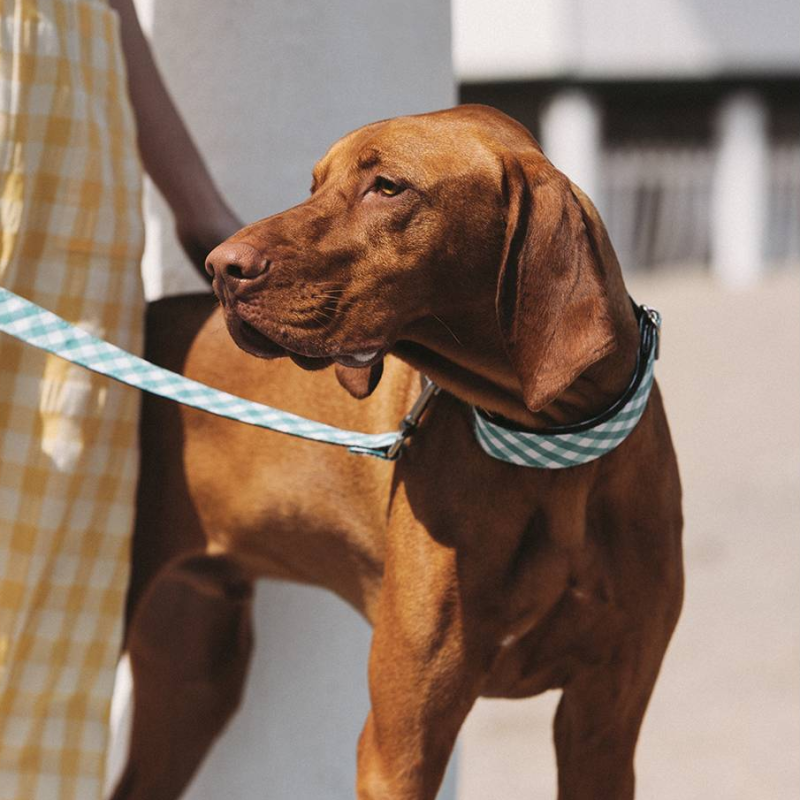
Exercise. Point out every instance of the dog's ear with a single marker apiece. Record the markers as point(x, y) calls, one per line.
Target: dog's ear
point(360, 382)
point(551, 303)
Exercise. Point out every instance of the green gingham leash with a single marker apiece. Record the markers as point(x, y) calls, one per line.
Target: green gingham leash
point(554, 448)
point(41, 328)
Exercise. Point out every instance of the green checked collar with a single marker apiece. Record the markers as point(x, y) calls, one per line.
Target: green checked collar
point(570, 445)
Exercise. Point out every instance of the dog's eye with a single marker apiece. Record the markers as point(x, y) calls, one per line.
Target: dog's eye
point(386, 187)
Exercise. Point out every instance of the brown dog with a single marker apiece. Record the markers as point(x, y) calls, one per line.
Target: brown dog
point(443, 244)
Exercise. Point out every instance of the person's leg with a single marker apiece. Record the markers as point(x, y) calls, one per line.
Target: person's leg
point(72, 241)
point(67, 478)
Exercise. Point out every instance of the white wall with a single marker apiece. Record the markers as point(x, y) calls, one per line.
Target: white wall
point(265, 88)
point(509, 39)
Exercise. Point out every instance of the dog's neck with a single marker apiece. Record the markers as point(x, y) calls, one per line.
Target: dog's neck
point(469, 361)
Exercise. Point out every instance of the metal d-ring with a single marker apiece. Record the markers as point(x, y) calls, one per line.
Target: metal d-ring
point(412, 419)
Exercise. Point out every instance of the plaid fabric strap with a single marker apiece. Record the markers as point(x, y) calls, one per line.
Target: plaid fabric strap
point(556, 448)
point(32, 324)
point(551, 449)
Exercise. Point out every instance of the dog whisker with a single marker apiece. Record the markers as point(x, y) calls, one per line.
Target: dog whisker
point(326, 297)
point(326, 322)
point(448, 329)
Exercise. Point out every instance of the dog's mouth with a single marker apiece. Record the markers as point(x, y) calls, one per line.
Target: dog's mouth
point(253, 341)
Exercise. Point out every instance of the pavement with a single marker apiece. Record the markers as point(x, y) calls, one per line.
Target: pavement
point(724, 721)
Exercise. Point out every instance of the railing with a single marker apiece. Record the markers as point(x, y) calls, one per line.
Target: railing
point(656, 204)
point(656, 200)
point(783, 205)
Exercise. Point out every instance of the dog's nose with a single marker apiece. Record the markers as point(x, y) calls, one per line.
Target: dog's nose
point(236, 260)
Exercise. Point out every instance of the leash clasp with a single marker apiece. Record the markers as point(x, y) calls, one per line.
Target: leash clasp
point(412, 419)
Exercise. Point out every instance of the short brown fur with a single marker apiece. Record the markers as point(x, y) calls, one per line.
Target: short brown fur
point(493, 275)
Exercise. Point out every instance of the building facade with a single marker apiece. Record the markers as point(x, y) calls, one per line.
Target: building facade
point(681, 118)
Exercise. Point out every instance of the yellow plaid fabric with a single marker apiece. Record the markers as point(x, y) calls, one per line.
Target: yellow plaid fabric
point(71, 238)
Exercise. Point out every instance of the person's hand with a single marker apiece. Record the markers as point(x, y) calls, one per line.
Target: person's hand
point(199, 234)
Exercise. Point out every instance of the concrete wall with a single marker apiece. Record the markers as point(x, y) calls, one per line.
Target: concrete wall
point(265, 88)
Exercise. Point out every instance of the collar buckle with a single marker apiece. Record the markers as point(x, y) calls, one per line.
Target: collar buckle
point(655, 321)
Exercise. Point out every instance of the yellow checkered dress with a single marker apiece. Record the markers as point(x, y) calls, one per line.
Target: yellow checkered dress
point(71, 238)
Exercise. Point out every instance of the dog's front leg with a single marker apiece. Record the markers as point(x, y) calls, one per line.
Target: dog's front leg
point(423, 676)
point(189, 643)
point(600, 713)
point(420, 699)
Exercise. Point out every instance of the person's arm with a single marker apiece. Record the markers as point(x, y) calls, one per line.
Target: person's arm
point(202, 217)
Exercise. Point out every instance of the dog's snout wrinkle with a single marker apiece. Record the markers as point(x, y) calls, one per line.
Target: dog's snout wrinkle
point(236, 261)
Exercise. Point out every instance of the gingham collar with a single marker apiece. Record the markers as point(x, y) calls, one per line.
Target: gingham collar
point(570, 445)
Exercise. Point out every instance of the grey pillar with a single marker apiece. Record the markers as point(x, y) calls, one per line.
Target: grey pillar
point(739, 191)
point(571, 138)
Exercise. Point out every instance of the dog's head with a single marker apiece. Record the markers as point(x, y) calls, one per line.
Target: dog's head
point(445, 237)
